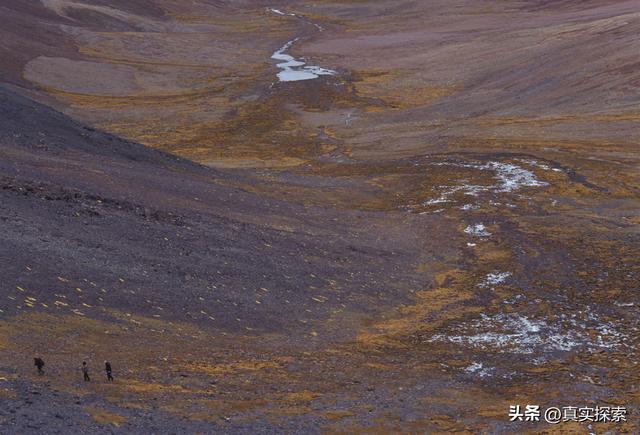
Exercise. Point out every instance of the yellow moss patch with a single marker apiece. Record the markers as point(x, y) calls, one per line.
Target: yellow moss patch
point(290, 411)
point(494, 255)
point(378, 366)
point(547, 120)
point(3, 338)
point(431, 303)
point(338, 414)
point(212, 410)
point(150, 387)
point(8, 393)
point(220, 369)
point(230, 162)
point(300, 396)
point(105, 417)
point(398, 91)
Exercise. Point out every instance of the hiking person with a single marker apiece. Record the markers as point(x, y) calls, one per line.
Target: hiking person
point(85, 371)
point(39, 363)
point(107, 368)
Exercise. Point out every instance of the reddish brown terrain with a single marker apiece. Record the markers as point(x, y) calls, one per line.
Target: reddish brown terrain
point(441, 224)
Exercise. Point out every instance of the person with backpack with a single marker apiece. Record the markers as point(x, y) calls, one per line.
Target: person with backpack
point(39, 363)
point(85, 371)
point(107, 369)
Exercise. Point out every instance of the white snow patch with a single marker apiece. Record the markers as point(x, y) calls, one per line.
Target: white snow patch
point(495, 279)
point(277, 11)
point(511, 177)
point(449, 191)
point(513, 300)
point(515, 333)
point(469, 189)
point(474, 367)
point(284, 14)
point(535, 164)
point(468, 207)
point(440, 200)
point(478, 369)
point(477, 230)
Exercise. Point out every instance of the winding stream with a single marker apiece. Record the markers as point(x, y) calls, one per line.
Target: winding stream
point(296, 69)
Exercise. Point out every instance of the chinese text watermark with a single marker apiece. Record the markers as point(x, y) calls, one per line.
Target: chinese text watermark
point(555, 415)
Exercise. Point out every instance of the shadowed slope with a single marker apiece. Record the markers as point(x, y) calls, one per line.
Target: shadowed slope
point(97, 219)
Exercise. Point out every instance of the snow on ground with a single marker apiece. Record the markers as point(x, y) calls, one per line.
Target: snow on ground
point(537, 164)
point(468, 207)
point(495, 278)
point(517, 334)
point(448, 191)
point(478, 230)
point(479, 369)
point(509, 176)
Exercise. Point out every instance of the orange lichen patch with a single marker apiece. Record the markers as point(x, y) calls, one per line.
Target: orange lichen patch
point(473, 401)
point(4, 338)
point(227, 143)
point(430, 308)
point(152, 387)
point(130, 405)
point(547, 120)
point(384, 181)
point(405, 98)
point(379, 366)
point(493, 255)
point(290, 404)
point(303, 396)
point(67, 340)
point(339, 414)
point(449, 423)
point(214, 409)
point(396, 91)
point(423, 267)
point(141, 100)
point(229, 163)
point(288, 412)
point(254, 20)
point(562, 428)
point(227, 368)
point(104, 417)
point(7, 392)
point(369, 84)
point(393, 423)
